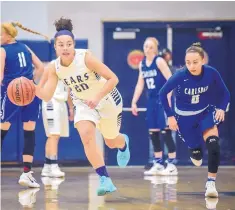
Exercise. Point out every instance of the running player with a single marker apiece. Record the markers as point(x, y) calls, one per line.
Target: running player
point(195, 116)
point(154, 71)
point(17, 60)
point(97, 102)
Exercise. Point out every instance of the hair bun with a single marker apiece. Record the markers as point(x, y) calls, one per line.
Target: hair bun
point(63, 24)
point(197, 44)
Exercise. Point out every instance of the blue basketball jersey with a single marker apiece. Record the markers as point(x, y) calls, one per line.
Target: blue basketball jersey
point(153, 77)
point(18, 62)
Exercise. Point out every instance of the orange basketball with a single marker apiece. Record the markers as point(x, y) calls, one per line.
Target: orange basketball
point(21, 91)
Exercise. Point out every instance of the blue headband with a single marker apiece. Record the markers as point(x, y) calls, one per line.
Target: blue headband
point(64, 32)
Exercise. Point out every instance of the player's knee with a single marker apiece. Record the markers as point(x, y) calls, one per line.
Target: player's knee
point(155, 137)
point(110, 143)
point(29, 126)
point(86, 136)
point(5, 126)
point(212, 143)
point(29, 142)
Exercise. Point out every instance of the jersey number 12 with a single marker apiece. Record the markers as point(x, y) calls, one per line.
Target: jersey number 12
point(150, 83)
point(22, 59)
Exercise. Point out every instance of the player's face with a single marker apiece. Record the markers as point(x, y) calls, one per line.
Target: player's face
point(194, 63)
point(149, 48)
point(64, 47)
point(5, 37)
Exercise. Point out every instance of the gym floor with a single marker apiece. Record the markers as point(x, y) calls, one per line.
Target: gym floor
point(77, 191)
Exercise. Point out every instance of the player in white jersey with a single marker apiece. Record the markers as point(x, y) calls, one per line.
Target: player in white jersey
point(97, 102)
point(56, 124)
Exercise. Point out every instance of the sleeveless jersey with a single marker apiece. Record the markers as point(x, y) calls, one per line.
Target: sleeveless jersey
point(153, 77)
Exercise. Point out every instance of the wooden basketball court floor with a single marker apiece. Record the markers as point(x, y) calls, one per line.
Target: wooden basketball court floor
point(135, 192)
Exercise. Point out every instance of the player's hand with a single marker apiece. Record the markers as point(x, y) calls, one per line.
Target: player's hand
point(219, 115)
point(92, 103)
point(173, 125)
point(134, 109)
point(71, 114)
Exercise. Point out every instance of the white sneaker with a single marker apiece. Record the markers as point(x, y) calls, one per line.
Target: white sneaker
point(196, 162)
point(170, 170)
point(211, 189)
point(56, 172)
point(211, 203)
point(52, 170)
point(46, 170)
point(27, 180)
point(28, 197)
point(155, 170)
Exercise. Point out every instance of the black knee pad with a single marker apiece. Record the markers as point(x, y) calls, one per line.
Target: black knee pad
point(155, 137)
point(169, 140)
point(196, 153)
point(213, 147)
point(29, 142)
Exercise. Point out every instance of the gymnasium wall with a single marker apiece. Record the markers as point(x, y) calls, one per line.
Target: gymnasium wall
point(87, 16)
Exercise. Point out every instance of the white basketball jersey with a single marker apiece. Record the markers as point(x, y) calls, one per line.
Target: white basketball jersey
point(83, 82)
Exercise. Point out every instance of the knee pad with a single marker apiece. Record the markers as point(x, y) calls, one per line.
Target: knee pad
point(29, 142)
point(213, 147)
point(155, 137)
point(169, 141)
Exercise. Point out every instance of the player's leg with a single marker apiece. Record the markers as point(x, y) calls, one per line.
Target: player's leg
point(4, 130)
point(30, 114)
point(54, 115)
point(209, 128)
point(87, 132)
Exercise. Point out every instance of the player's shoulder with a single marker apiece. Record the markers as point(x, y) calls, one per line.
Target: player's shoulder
point(210, 69)
point(181, 72)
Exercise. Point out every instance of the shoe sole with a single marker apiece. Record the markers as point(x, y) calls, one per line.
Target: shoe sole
point(25, 184)
point(211, 195)
point(102, 193)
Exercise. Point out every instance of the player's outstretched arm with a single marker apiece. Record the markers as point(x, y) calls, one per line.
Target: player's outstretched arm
point(47, 91)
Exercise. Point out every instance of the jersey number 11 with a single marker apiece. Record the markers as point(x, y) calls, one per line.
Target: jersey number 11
point(22, 59)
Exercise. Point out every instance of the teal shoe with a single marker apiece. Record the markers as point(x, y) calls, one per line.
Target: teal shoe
point(124, 157)
point(106, 186)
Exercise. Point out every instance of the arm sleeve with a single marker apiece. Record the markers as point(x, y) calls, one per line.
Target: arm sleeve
point(223, 90)
point(168, 87)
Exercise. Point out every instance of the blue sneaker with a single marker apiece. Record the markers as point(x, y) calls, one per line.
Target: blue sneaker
point(124, 157)
point(106, 186)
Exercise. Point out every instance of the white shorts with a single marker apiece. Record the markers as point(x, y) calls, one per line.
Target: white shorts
point(55, 118)
point(107, 115)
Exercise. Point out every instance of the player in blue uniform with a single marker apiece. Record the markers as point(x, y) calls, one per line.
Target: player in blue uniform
point(17, 60)
point(154, 72)
point(196, 116)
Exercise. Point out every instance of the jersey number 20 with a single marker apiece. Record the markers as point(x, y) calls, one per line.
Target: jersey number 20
point(22, 59)
point(150, 83)
point(195, 99)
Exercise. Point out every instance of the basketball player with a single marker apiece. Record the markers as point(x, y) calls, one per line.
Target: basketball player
point(153, 71)
point(16, 61)
point(55, 120)
point(195, 116)
point(97, 102)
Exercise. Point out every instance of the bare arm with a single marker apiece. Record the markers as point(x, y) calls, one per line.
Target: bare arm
point(164, 68)
point(47, 91)
point(139, 87)
point(44, 78)
point(39, 67)
point(3, 57)
point(95, 65)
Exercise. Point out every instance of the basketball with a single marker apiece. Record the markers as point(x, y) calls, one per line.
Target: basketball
point(21, 91)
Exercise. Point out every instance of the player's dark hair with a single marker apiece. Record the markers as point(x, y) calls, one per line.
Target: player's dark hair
point(197, 48)
point(63, 24)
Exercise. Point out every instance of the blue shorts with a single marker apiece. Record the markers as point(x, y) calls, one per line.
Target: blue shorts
point(10, 111)
point(191, 128)
point(156, 118)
